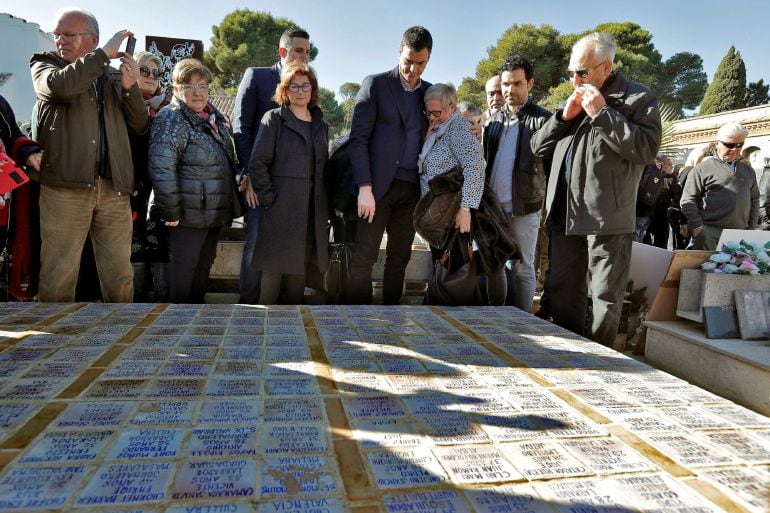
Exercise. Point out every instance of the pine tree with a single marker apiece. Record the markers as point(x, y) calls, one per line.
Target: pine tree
point(728, 89)
point(757, 93)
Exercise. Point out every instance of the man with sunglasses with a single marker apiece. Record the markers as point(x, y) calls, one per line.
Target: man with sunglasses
point(84, 112)
point(599, 142)
point(254, 98)
point(721, 192)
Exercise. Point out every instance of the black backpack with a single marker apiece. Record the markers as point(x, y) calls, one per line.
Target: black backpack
point(650, 185)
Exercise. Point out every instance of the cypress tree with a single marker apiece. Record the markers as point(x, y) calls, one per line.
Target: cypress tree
point(728, 89)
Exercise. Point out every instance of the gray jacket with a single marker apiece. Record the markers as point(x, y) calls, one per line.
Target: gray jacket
point(192, 168)
point(608, 155)
point(717, 196)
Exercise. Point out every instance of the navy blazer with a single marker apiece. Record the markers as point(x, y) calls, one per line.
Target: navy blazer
point(255, 97)
point(378, 130)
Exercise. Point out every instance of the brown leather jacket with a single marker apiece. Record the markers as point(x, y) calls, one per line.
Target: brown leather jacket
point(66, 120)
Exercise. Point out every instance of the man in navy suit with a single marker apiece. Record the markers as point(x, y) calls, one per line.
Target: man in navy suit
point(255, 97)
point(385, 140)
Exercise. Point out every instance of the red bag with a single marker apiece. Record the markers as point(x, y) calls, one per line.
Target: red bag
point(11, 176)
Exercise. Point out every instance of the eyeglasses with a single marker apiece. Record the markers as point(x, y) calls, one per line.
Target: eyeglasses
point(69, 36)
point(146, 72)
point(305, 88)
point(582, 72)
point(731, 146)
point(433, 113)
point(189, 88)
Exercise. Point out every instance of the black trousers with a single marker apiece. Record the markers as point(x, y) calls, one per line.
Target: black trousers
point(393, 214)
point(192, 253)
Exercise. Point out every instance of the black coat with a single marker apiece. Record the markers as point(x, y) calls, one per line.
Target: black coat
point(285, 169)
point(193, 168)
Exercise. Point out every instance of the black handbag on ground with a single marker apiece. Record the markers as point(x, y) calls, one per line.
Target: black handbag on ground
point(435, 213)
point(455, 285)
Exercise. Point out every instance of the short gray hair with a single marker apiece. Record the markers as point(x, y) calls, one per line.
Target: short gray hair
point(469, 107)
point(143, 58)
point(91, 23)
point(444, 92)
point(732, 129)
point(602, 45)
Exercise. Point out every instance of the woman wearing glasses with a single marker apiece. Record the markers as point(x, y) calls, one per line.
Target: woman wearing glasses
point(286, 171)
point(193, 167)
point(149, 244)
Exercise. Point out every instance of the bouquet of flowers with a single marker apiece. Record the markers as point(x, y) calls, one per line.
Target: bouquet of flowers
point(740, 258)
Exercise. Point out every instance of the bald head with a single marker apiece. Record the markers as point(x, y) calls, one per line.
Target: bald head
point(76, 33)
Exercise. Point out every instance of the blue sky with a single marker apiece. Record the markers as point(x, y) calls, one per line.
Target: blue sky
point(359, 38)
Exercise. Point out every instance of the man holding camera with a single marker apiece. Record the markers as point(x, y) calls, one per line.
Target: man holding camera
point(82, 116)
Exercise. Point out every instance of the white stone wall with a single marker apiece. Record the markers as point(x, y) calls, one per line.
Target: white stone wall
point(19, 39)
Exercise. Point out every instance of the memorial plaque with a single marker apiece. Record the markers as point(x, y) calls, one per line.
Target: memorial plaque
point(17, 355)
point(202, 340)
point(431, 351)
point(440, 501)
point(222, 441)
point(237, 369)
point(127, 483)
point(607, 455)
point(357, 364)
point(293, 438)
point(54, 370)
point(428, 403)
point(229, 507)
point(13, 415)
point(94, 414)
point(452, 428)
point(566, 424)
point(477, 401)
point(193, 353)
point(401, 366)
point(659, 492)
point(405, 468)
point(172, 412)
point(387, 432)
point(691, 417)
point(602, 398)
point(307, 505)
point(38, 488)
point(289, 369)
point(568, 377)
point(34, 389)
point(740, 444)
point(291, 386)
point(242, 340)
point(651, 396)
point(586, 494)
point(738, 415)
point(406, 383)
point(146, 353)
point(509, 498)
point(376, 406)
point(45, 340)
point(133, 369)
point(544, 459)
point(156, 341)
point(512, 426)
point(690, 449)
point(185, 369)
point(693, 394)
point(298, 476)
point(233, 387)
point(230, 412)
point(167, 388)
point(287, 354)
point(750, 486)
point(287, 341)
point(249, 354)
point(476, 464)
point(146, 443)
point(360, 382)
point(641, 420)
point(293, 410)
point(530, 399)
point(460, 383)
point(67, 446)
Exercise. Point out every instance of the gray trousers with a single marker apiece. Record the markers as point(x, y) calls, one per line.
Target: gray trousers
point(600, 262)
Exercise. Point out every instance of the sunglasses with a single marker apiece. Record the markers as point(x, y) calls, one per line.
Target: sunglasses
point(432, 113)
point(146, 72)
point(731, 146)
point(582, 72)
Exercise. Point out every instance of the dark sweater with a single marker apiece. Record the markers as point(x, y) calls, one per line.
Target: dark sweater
point(716, 195)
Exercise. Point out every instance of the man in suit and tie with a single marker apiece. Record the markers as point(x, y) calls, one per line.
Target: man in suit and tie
point(385, 140)
point(255, 97)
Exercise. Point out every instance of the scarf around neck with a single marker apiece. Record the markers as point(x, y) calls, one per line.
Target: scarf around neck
point(435, 134)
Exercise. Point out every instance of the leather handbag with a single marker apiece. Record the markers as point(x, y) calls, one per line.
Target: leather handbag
point(435, 213)
point(454, 287)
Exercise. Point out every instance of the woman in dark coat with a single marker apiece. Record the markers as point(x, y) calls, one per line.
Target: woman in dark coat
point(192, 166)
point(286, 171)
